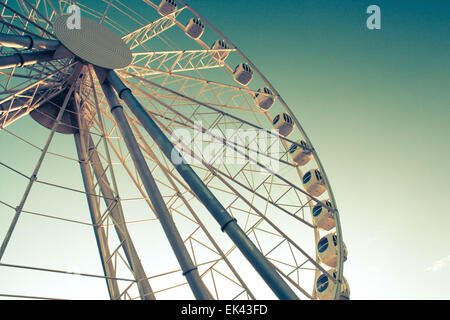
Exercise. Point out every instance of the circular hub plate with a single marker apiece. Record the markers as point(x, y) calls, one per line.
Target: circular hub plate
point(93, 42)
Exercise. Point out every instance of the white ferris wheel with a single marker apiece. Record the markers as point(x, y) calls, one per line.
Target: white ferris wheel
point(144, 156)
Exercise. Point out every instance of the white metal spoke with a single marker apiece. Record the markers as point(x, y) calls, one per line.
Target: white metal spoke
point(149, 63)
point(36, 170)
point(140, 36)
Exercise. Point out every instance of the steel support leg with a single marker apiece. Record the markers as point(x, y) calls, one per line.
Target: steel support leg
point(100, 235)
point(189, 269)
point(23, 59)
point(227, 223)
point(131, 254)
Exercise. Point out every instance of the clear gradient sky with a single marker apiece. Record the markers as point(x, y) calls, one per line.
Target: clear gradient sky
point(376, 105)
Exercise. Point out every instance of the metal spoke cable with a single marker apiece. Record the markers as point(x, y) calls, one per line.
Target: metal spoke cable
point(36, 170)
point(189, 151)
point(63, 272)
point(224, 141)
point(208, 107)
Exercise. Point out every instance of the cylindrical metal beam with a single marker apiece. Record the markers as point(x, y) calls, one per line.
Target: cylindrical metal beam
point(189, 269)
point(131, 254)
point(100, 235)
point(227, 223)
point(23, 59)
point(27, 42)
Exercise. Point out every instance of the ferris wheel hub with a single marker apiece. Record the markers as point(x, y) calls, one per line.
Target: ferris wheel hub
point(93, 42)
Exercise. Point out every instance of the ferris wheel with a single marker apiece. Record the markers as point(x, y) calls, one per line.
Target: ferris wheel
point(144, 156)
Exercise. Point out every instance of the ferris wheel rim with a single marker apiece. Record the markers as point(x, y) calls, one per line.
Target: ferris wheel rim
point(304, 135)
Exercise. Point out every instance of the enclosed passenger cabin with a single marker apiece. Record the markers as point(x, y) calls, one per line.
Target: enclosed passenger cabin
point(300, 153)
point(327, 250)
point(220, 45)
point(322, 217)
point(314, 182)
point(264, 98)
point(194, 28)
point(167, 7)
point(284, 124)
point(243, 73)
point(325, 287)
